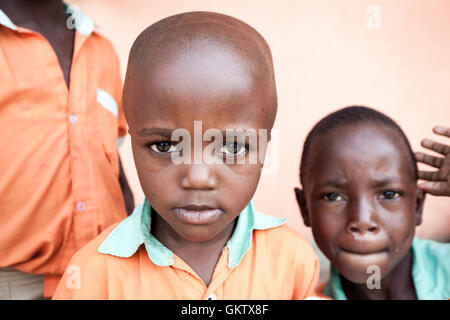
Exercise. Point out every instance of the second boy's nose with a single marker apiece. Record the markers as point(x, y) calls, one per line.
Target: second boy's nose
point(361, 220)
point(362, 227)
point(199, 176)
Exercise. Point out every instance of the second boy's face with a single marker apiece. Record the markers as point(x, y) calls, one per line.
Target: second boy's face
point(361, 199)
point(197, 200)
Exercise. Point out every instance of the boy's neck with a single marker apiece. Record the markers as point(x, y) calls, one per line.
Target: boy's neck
point(202, 257)
point(397, 285)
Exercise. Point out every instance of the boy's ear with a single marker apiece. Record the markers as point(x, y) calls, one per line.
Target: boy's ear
point(300, 196)
point(420, 200)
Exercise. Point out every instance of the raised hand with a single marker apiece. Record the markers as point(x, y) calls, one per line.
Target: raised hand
point(437, 182)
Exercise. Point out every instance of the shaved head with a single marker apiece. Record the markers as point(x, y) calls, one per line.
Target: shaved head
point(194, 29)
point(191, 68)
point(204, 51)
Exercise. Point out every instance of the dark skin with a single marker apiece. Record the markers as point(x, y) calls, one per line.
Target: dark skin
point(363, 209)
point(171, 90)
point(47, 18)
point(436, 182)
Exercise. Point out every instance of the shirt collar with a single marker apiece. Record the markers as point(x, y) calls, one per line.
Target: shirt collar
point(134, 231)
point(5, 21)
point(81, 22)
point(333, 287)
point(430, 273)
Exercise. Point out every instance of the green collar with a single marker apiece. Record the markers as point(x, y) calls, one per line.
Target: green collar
point(81, 22)
point(5, 21)
point(134, 231)
point(430, 272)
point(333, 288)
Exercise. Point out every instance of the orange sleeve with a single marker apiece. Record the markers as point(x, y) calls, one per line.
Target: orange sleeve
point(307, 270)
point(318, 292)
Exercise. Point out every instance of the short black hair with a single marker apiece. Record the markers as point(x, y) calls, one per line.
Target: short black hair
point(352, 115)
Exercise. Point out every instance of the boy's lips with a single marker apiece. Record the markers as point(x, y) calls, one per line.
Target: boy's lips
point(197, 214)
point(365, 247)
point(363, 252)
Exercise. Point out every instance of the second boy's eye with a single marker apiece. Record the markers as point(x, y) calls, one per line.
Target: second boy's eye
point(332, 196)
point(163, 147)
point(389, 195)
point(233, 148)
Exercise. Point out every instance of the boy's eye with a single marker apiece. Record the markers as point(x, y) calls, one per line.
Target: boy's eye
point(332, 196)
point(163, 147)
point(389, 195)
point(233, 148)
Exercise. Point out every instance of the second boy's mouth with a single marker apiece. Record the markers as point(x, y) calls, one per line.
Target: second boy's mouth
point(364, 252)
point(198, 214)
point(365, 247)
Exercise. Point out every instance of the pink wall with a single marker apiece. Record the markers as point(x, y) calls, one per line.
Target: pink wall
point(326, 57)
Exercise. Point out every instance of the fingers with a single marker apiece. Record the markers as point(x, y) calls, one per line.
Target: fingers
point(430, 175)
point(435, 146)
point(441, 130)
point(430, 160)
point(438, 182)
point(435, 188)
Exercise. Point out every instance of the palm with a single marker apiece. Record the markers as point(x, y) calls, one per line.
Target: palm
point(437, 182)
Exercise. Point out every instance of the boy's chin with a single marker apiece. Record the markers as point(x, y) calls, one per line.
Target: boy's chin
point(356, 277)
point(361, 272)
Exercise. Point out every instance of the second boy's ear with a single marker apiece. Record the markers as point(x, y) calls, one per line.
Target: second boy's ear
point(420, 200)
point(300, 196)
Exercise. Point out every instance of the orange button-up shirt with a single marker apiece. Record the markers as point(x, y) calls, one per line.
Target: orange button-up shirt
point(263, 259)
point(59, 165)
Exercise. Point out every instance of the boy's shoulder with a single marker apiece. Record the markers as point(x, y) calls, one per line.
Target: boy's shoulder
point(274, 226)
point(432, 251)
point(86, 270)
point(431, 270)
point(283, 233)
point(101, 48)
point(102, 40)
point(284, 237)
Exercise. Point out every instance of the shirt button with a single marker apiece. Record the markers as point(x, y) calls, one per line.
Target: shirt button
point(73, 119)
point(212, 296)
point(81, 206)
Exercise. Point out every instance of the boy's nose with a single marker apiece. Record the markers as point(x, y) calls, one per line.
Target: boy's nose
point(361, 227)
point(362, 220)
point(199, 176)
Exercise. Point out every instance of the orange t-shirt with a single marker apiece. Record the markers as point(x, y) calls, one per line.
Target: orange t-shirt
point(262, 260)
point(59, 183)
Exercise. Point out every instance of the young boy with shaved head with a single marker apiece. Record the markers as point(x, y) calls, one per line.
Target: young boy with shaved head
point(197, 235)
point(363, 209)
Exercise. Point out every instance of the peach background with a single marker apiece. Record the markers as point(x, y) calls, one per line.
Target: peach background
point(325, 58)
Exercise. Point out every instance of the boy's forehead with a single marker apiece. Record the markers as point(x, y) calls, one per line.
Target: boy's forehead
point(203, 74)
point(209, 68)
point(344, 151)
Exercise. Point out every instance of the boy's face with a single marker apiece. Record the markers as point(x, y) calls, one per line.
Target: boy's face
point(218, 88)
point(361, 199)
